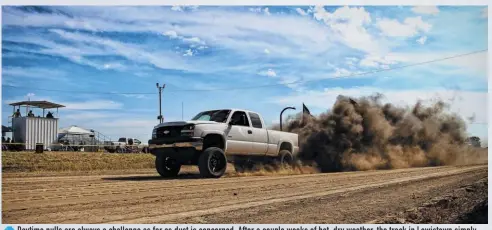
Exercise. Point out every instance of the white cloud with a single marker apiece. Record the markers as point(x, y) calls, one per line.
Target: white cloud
point(114, 65)
point(92, 105)
point(268, 73)
point(171, 34)
point(426, 10)
point(176, 8)
point(194, 40)
point(351, 61)
point(377, 61)
point(267, 51)
point(183, 8)
point(299, 36)
point(422, 40)
point(160, 59)
point(464, 103)
point(341, 72)
point(256, 10)
point(265, 10)
point(349, 25)
point(84, 115)
point(33, 72)
point(188, 52)
point(475, 63)
point(409, 27)
point(301, 11)
point(137, 96)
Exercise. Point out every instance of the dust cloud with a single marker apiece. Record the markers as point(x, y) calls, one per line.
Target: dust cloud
point(274, 170)
point(365, 134)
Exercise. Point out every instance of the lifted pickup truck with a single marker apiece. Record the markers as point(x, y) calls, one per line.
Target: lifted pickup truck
point(213, 138)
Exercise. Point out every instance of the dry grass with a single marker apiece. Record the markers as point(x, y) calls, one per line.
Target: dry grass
point(73, 161)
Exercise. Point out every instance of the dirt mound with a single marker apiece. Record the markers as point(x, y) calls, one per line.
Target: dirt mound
point(466, 205)
point(365, 134)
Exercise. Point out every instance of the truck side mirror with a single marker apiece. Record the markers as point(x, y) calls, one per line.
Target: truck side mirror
point(232, 122)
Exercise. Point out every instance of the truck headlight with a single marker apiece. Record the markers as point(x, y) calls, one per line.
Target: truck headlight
point(188, 130)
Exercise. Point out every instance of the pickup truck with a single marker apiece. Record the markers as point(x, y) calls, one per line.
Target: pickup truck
point(213, 138)
point(124, 145)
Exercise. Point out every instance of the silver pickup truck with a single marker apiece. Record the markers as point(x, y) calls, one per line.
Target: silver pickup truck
point(213, 138)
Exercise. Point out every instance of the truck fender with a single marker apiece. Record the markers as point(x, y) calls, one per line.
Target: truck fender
point(292, 149)
point(215, 132)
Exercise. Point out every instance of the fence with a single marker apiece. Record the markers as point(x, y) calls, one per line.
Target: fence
point(81, 148)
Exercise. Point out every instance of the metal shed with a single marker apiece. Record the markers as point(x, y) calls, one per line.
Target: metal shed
point(30, 130)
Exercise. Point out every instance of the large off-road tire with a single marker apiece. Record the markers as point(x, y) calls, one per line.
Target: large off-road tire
point(166, 166)
point(212, 163)
point(285, 159)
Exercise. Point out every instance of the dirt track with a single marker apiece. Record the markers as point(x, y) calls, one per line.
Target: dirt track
point(355, 197)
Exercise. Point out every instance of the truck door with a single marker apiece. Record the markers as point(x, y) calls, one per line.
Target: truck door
point(260, 135)
point(239, 136)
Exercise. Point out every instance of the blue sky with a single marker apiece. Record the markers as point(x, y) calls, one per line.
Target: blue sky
point(200, 52)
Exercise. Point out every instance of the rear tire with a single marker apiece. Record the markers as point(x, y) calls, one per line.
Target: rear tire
point(285, 159)
point(166, 166)
point(212, 163)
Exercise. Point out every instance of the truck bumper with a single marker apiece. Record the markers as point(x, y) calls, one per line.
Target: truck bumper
point(185, 153)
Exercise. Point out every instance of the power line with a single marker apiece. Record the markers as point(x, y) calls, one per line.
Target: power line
point(256, 86)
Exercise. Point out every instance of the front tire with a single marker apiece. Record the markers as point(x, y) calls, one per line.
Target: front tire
point(212, 163)
point(166, 166)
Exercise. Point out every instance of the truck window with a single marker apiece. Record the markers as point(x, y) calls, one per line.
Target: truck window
point(240, 118)
point(122, 139)
point(213, 115)
point(255, 120)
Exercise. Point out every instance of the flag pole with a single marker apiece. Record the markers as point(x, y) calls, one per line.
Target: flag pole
point(302, 115)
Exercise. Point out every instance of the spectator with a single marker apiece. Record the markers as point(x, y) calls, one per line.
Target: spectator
point(17, 113)
point(30, 114)
point(49, 115)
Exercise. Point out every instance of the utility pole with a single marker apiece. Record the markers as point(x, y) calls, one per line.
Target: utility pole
point(161, 119)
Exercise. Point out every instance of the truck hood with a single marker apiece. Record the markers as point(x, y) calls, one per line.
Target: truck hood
point(181, 123)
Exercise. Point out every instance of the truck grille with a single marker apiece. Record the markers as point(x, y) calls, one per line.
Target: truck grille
point(169, 132)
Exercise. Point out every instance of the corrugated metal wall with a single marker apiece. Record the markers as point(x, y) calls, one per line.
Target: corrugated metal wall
point(19, 128)
point(37, 130)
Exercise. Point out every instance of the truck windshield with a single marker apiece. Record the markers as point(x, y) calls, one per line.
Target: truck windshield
point(122, 139)
point(213, 115)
